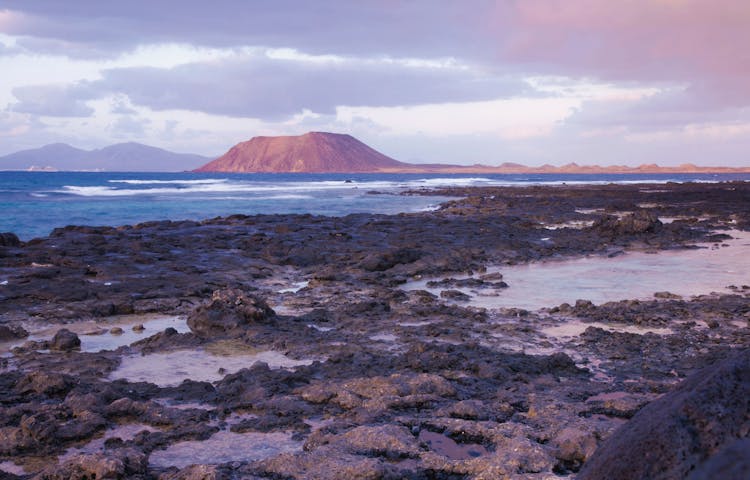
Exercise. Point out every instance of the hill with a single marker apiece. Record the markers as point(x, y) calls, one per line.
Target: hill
point(312, 152)
point(131, 156)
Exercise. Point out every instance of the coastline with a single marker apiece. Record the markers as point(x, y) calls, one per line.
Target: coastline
point(40, 202)
point(383, 375)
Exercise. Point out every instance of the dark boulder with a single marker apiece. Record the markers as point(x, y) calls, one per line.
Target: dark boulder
point(8, 239)
point(641, 221)
point(732, 461)
point(65, 341)
point(683, 430)
point(12, 332)
point(378, 262)
point(456, 295)
point(44, 383)
point(229, 311)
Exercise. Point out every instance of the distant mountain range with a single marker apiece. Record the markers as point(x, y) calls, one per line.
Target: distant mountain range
point(339, 153)
point(313, 152)
point(131, 156)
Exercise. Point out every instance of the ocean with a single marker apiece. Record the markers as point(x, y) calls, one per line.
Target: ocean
point(34, 203)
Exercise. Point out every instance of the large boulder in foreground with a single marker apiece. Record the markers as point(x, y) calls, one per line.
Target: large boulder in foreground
point(732, 461)
point(682, 431)
point(229, 311)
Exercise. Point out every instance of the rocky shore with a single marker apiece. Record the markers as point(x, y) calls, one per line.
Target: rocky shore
point(296, 352)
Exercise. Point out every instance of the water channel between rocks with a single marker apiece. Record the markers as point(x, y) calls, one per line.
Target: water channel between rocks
point(225, 447)
point(172, 368)
point(600, 279)
point(97, 336)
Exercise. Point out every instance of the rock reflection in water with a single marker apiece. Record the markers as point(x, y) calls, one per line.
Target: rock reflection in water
point(110, 341)
point(123, 432)
point(446, 447)
point(96, 336)
point(225, 447)
point(629, 276)
point(573, 328)
point(296, 287)
point(170, 369)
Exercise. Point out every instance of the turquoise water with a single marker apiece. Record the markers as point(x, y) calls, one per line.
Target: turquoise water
point(33, 203)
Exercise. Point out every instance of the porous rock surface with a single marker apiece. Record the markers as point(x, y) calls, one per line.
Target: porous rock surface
point(388, 382)
point(227, 311)
point(677, 433)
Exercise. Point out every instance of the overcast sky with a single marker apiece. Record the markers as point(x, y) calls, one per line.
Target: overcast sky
point(472, 81)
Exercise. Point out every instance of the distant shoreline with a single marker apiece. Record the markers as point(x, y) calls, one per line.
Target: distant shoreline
point(450, 169)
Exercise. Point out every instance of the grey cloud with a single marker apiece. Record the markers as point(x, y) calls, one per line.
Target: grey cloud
point(688, 44)
point(52, 100)
point(127, 126)
point(667, 109)
point(270, 89)
point(71, 49)
point(121, 107)
point(417, 27)
point(7, 50)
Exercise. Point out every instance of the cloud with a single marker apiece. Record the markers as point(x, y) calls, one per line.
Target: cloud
point(419, 69)
point(13, 124)
point(257, 86)
point(120, 105)
point(685, 41)
point(128, 126)
point(52, 100)
point(509, 119)
point(666, 109)
point(413, 28)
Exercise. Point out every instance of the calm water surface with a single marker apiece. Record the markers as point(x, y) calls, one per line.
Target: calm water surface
point(633, 275)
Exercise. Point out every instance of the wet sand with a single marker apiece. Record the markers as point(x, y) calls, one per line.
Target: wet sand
point(555, 315)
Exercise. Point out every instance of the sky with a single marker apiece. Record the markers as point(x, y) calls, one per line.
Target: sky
point(462, 82)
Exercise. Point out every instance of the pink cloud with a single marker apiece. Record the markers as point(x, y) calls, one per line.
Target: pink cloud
point(653, 40)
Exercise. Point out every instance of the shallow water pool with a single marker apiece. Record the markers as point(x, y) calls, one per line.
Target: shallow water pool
point(96, 336)
point(225, 447)
point(172, 368)
point(633, 275)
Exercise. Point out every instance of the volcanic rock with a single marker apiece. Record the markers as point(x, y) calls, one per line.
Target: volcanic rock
point(123, 463)
point(197, 472)
point(732, 461)
point(378, 262)
point(681, 430)
point(641, 221)
point(391, 441)
point(12, 332)
point(65, 341)
point(228, 311)
point(44, 383)
point(8, 239)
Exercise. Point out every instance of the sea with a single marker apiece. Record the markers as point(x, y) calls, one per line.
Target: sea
point(34, 203)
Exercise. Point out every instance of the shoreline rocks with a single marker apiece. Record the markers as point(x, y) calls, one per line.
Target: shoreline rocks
point(229, 311)
point(364, 379)
point(679, 432)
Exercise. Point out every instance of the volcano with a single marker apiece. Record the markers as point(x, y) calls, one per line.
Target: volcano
point(313, 152)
